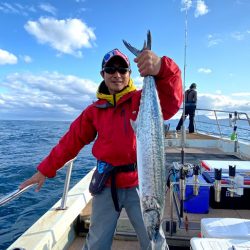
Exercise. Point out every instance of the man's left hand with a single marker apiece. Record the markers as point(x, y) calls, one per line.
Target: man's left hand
point(148, 63)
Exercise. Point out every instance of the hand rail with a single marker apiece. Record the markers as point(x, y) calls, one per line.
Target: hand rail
point(11, 196)
point(232, 118)
point(14, 194)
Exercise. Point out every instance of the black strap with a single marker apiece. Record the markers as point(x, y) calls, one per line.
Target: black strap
point(123, 168)
point(114, 191)
point(126, 168)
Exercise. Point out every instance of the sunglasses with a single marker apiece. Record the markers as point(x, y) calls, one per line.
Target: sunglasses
point(112, 70)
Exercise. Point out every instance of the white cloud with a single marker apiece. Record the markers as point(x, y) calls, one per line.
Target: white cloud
point(201, 8)
point(55, 96)
point(238, 35)
point(48, 8)
point(66, 36)
point(233, 102)
point(204, 70)
point(8, 8)
point(241, 94)
point(17, 8)
point(138, 81)
point(7, 57)
point(186, 4)
point(49, 95)
point(26, 59)
point(213, 40)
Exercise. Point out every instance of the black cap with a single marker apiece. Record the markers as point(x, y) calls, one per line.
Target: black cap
point(193, 86)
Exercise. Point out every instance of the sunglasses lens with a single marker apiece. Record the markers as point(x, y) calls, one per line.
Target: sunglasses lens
point(122, 70)
point(112, 70)
point(109, 70)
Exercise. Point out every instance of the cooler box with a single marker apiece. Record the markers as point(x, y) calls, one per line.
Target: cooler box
point(229, 228)
point(196, 204)
point(219, 244)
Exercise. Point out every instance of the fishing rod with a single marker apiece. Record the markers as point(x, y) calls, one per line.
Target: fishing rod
point(183, 135)
point(184, 86)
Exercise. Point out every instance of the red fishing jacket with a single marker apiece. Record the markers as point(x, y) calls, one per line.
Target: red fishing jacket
point(109, 125)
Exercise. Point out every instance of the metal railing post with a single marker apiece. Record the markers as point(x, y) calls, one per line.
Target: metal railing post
point(171, 208)
point(66, 185)
point(218, 125)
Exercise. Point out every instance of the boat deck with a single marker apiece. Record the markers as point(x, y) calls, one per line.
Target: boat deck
point(125, 237)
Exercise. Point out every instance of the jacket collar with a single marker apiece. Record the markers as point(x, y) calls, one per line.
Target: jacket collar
point(103, 93)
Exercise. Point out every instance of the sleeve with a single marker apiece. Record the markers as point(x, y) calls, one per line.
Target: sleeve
point(80, 133)
point(169, 86)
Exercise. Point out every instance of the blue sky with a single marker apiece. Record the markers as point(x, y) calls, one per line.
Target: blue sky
point(51, 51)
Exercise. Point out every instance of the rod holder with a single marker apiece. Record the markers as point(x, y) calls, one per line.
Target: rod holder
point(182, 184)
point(217, 184)
point(196, 186)
point(232, 171)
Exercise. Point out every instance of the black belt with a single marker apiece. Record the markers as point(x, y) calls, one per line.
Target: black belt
point(118, 169)
point(126, 168)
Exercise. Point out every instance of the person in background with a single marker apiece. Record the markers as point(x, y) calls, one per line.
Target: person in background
point(190, 107)
point(107, 123)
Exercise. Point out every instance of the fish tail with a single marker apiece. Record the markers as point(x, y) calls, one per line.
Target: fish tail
point(132, 49)
point(147, 45)
point(160, 243)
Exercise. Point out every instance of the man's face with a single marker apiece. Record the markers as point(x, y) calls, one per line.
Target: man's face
point(116, 81)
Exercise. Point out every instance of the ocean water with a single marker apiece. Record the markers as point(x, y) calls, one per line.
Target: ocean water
point(23, 144)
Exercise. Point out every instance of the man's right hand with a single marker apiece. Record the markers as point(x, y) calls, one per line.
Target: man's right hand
point(38, 178)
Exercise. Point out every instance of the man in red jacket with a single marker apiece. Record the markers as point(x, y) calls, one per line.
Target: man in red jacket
point(107, 121)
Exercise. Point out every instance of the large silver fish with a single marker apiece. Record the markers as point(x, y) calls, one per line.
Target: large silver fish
point(149, 130)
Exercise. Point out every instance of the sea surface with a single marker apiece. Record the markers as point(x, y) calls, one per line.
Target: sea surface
point(23, 144)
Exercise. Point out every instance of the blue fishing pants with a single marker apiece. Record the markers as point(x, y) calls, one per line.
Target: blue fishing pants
point(104, 218)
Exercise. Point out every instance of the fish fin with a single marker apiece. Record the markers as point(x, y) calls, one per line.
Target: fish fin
point(133, 125)
point(149, 40)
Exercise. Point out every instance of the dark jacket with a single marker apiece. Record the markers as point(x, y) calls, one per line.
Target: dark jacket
point(191, 97)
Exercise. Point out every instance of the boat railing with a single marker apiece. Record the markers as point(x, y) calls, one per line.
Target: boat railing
point(222, 123)
point(11, 196)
